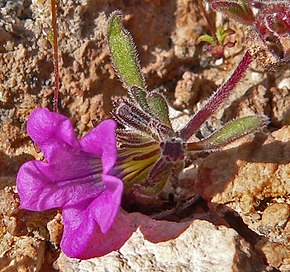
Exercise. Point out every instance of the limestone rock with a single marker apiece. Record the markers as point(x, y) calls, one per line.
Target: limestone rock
point(273, 102)
point(281, 212)
point(21, 253)
point(253, 180)
point(254, 101)
point(201, 246)
point(280, 106)
point(24, 237)
point(192, 88)
point(277, 255)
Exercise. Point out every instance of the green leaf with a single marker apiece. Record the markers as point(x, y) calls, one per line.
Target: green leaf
point(139, 96)
point(159, 107)
point(223, 33)
point(232, 131)
point(206, 38)
point(123, 52)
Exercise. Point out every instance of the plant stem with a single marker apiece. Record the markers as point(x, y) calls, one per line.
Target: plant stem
point(55, 56)
point(217, 98)
point(211, 27)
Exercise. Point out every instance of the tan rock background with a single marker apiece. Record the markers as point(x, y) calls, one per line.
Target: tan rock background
point(243, 221)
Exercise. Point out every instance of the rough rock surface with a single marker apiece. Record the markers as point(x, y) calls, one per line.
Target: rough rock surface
point(21, 254)
point(262, 99)
point(27, 239)
point(87, 78)
point(201, 247)
point(247, 187)
point(253, 180)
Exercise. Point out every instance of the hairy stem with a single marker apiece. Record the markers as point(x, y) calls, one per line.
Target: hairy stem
point(55, 56)
point(217, 98)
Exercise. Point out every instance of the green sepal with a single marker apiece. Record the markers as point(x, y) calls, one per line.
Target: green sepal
point(50, 36)
point(159, 107)
point(153, 190)
point(123, 52)
point(155, 186)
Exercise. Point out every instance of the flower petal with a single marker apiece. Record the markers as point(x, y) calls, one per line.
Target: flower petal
point(102, 142)
point(40, 186)
point(79, 227)
point(51, 130)
point(98, 244)
point(89, 222)
point(105, 208)
point(74, 178)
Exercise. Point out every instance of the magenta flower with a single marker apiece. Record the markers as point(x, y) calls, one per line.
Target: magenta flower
point(75, 177)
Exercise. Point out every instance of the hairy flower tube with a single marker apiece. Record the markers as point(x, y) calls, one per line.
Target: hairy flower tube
point(74, 177)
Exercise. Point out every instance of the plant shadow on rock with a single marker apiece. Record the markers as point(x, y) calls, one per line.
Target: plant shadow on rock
point(9, 166)
point(258, 257)
point(225, 162)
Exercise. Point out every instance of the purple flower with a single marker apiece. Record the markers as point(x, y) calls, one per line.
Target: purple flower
point(75, 177)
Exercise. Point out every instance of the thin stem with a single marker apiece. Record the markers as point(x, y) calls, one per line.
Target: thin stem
point(195, 146)
point(55, 56)
point(217, 98)
point(211, 27)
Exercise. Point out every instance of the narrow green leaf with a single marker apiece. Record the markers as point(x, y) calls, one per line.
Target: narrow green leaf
point(123, 52)
point(232, 131)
